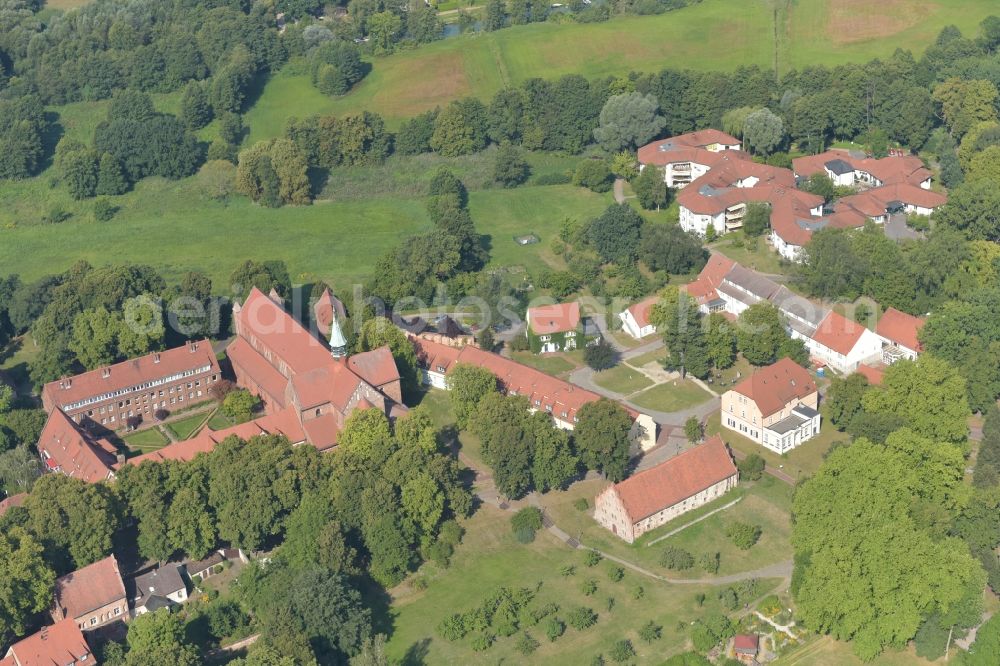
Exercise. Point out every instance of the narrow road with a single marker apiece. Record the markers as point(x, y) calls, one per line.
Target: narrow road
point(619, 190)
point(773, 471)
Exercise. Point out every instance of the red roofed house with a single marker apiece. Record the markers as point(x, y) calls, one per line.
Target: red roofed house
point(61, 644)
point(91, 597)
point(277, 359)
point(900, 332)
point(646, 500)
point(746, 646)
point(11, 501)
point(635, 319)
point(553, 328)
point(171, 379)
point(68, 449)
point(703, 290)
point(775, 406)
point(843, 344)
point(559, 398)
point(875, 375)
point(686, 157)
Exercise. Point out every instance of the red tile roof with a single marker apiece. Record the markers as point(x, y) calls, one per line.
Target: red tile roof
point(889, 170)
point(57, 645)
point(746, 642)
point(376, 367)
point(674, 480)
point(726, 185)
point(12, 501)
point(688, 148)
point(901, 328)
point(838, 333)
point(776, 385)
point(872, 374)
point(87, 589)
point(67, 447)
point(640, 311)
point(323, 311)
point(132, 373)
point(284, 422)
point(249, 360)
point(557, 318)
point(702, 290)
point(330, 383)
point(323, 430)
point(261, 318)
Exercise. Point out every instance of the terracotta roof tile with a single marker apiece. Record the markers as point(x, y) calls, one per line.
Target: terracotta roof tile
point(774, 386)
point(702, 290)
point(89, 588)
point(640, 311)
point(280, 334)
point(248, 359)
point(323, 311)
point(901, 328)
point(69, 449)
point(56, 645)
point(838, 333)
point(676, 479)
point(376, 367)
point(323, 431)
point(557, 318)
point(872, 374)
point(128, 374)
point(12, 501)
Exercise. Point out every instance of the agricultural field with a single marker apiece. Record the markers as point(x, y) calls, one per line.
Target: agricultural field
point(712, 35)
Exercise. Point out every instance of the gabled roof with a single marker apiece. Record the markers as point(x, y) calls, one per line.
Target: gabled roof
point(839, 166)
point(159, 582)
point(746, 642)
point(775, 386)
point(676, 479)
point(792, 305)
point(376, 367)
point(640, 311)
point(838, 333)
point(753, 282)
point(284, 337)
point(326, 305)
point(264, 374)
point(872, 374)
point(901, 328)
point(56, 645)
point(66, 447)
point(322, 431)
point(689, 148)
point(703, 290)
point(197, 566)
point(890, 170)
point(87, 589)
point(132, 373)
point(558, 318)
point(12, 501)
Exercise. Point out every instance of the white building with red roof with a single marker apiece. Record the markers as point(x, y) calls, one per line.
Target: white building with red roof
point(67, 448)
point(850, 168)
point(58, 645)
point(689, 156)
point(901, 334)
point(646, 500)
point(92, 596)
point(843, 344)
point(553, 328)
point(776, 406)
point(635, 319)
point(704, 290)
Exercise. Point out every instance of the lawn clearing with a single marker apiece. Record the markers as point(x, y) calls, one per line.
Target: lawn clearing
point(827, 651)
point(490, 557)
point(763, 259)
point(555, 364)
point(622, 379)
point(654, 356)
point(146, 440)
point(672, 396)
point(724, 380)
point(185, 428)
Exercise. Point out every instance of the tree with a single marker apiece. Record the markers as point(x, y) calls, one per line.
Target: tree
point(669, 248)
point(26, 581)
point(495, 15)
point(501, 423)
point(600, 355)
point(760, 333)
point(927, 394)
point(628, 120)
point(843, 399)
point(264, 275)
point(693, 430)
point(651, 188)
point(366, 435)
point(615, 234)
point(189, 527)
point(624, 165)
point(751, 468)
point(744, 535)
point(460, 128)
point(95, 337)
point(965, 103)
point(650, 632)
point(757, 219)
point(153, 637)
point(19, 468)
point(414, 135)
point(677, 318)
point(79, 171)
point(509, 167)
point(196, 111)
point(602, 437)
point(384, 28)
point(525, 523)
point(468, 385)
point(240, 405)
point(720, 341)
point(231, 127)
point(273, 173)
point(972, 208)
point(885, 542)
point(676, 559)
point(554, 463)
point(763, 131)
point(984, 650)
point(593, 174)
point(379, 332)
point(622, 651)
point(110, 179)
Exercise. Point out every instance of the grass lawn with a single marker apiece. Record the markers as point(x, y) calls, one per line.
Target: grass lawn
point(490, 557)
point(622, 379)
point(827, 651)
point(220, 421)
point(184, 428)
point(730, 376)
point(712, 35)
point(800, 462)
point(763, 259)
point(146, 440)
point(766, 503)
point(654, 356)
point(555, 363)
point(672, 396)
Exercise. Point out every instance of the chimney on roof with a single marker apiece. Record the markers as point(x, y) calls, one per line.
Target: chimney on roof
point(44, 633)
point(105, 373)
point(192, 347)
point(156, 357)
point(120, 458)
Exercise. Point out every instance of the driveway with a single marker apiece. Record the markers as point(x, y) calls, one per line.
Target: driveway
point(897, 230)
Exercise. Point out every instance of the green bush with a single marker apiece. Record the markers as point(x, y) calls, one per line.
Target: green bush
point(751, 468)
point(104, 210)
point(592, 558)
point(567, 570)
point(615, 574)
point(482, 641)
point(554, 628)
point(525, 523)
point(526, 644)
point(581, 618)
point(637, 592)
point(676, 559)
point(709, 562)
point(452, 628)
point(419, 583)
point(581, 504)
point(552, 179)
point(588, 587)
point(594, 175)
point(622, 651)
point(450, 533)
point(744, 535)
point(650, 632)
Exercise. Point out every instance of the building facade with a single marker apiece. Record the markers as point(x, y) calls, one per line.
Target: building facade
point(653, 497)
point(174, 379)
point(92, 597)
point(554, 328)
point(635, 319)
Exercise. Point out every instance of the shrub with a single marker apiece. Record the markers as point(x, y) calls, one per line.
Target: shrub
point(240, 404)
point(419, 583)
point(728, 599)
point(554, 628)
point(744, 535)
point(567, 570)
point(676, 559)
point(439, 552)
point(104, 210)
point(700, 598)
point(525, 523)
point(622, 651)
point(581, 618)
point(161, 414)
point(637, 592)
point(552, 179)
point(196, 580)
point(218, 568)
point(702, 639)
point(600, 355)
point(526, 644)
point(751, 468)
point(588, 587)
point(770, 605)
point(581, 504)
point(482, 641)
point(519, 343)
point(594, 175)
point(451, 533)
point(452, 628)
point(524, 535)
point(615, 574)
point(709, 562)
point(650, 632)
point(220, 389)
point(609, 604)
point(592, 558)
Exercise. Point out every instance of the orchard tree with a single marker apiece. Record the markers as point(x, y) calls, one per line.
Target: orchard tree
point(628, 120)
point(602, 436)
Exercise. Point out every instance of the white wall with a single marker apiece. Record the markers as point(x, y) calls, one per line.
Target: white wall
point(786, 250)
point(631, 326)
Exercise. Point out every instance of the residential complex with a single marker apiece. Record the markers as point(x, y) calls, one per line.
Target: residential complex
point(646, 500)
point(776, 406)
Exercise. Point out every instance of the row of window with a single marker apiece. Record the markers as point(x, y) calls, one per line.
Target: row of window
point(103, 618)
point(140, 387)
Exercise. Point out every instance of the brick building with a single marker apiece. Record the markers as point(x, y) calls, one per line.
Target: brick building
point(171, 380)
point(92, 597)
point(61, 643)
